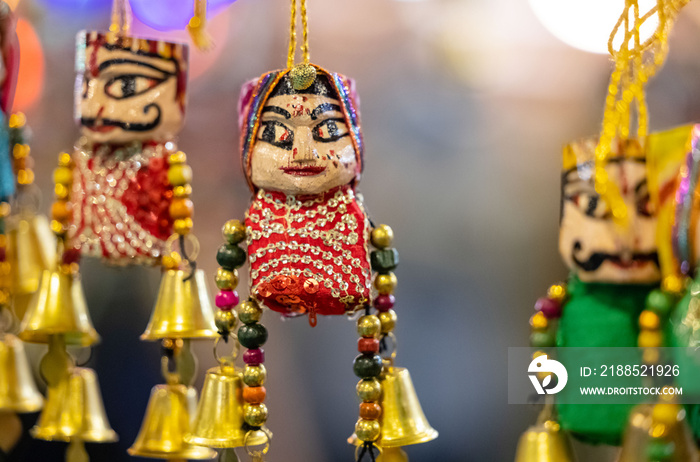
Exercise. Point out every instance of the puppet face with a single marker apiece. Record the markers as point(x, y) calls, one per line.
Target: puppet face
point(303, 145)
point(591, 244)
point(124, 95)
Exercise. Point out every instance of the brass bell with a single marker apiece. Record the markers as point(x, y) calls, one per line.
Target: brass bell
point(31, 249)
point(219, 419)
point(18, 390)
point(643, 426)
point(393, 455)
point(166, 423)
point(58, 308)
point(544, 443)
point(403, 421)
point(74, 410)
point(183, 308)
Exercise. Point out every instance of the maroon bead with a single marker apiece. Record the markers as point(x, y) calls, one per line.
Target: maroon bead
point(368, 345)
point(71, 256)
point(3, 254)
point(549, 307)
point(384, 302)
point(254, 357)
point(226, 299)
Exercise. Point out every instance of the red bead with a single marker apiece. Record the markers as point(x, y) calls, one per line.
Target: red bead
point(71, 256)
point(549, 307)
point(384, 302)
point(226, 299)
point(254, 357)
point(368, 345)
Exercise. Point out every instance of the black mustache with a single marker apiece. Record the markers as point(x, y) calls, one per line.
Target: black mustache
point(597, 258)
point(126, 126)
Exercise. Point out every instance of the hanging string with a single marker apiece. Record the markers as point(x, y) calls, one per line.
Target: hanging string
point(635, 63)
point(121, 18)
point(197, 27)
point(293, 34)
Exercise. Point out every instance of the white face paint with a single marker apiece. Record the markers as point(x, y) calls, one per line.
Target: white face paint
point(125, 96)
point(591, 244)
point(303, 146)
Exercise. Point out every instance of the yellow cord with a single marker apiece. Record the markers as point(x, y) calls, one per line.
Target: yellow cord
point(293, 34)
point(197, 26)
point(121, 18)
point(626, 97)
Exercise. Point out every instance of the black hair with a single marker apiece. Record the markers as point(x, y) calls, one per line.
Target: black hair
point(320, 87)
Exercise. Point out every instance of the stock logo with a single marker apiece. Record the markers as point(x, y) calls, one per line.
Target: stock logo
point(542, 364)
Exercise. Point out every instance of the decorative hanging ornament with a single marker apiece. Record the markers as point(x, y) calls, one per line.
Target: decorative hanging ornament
point(308, 242)
point(610, 239)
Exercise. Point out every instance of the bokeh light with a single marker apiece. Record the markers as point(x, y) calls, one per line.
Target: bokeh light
point(31, 67)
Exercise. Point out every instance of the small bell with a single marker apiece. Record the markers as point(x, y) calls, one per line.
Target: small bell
point(31, 250)
point(18, 390)
point(183, 308)
point(658, 431)
point(74, 410)
point(166, 423)
point(544, 443)
point(219, 419)
point(58, 308)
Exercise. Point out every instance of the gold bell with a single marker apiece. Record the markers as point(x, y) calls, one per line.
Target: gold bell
point(403, 421)
point(644, 426)
point(58, 308)
point(219, 419)
point(18, 391)
point(74, 410)
point(544, 443)
point(166, 423)
point(183, 308)
point(31, 249)
point(393, 455)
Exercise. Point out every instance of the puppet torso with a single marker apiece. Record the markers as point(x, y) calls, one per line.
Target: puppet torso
point(309, 254)
point(120, 202)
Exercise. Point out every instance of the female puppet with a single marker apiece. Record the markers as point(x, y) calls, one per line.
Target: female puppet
point(113, 193)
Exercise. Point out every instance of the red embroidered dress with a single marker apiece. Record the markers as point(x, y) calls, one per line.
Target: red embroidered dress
point(120, 202)
point(309, 254)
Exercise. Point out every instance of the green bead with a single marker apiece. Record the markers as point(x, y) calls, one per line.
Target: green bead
point(660, 302)
point(384, 260)
point(252, 336)
point(230, 257)
point(367, 366)
point(542, 339)
point(659, 450)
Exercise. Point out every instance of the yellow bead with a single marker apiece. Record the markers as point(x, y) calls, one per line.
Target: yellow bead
point(649, 339)
point(61, 192)
point(182, 191)
point(369, 390)
point(25, 176)
point(672, 284)
point(172, 261)
point(385, 283)
point(255, 415)
point(226, 320)
point(233, 231)
point(665, 413)
point(226, 280)
point(557, 292)
point(20, 151)
point(4, 209)
point(58, 228)
point(17, 120)
point(650, 355)
point(254, 376)
point(177, 158)
point(538, 321)
point(249, 312)
point(649, 320)
point(367, 430)
point(180, 175)
point(388, 321)
point(369, 326)
point(183, 225)
point(63, 175)
point(382, 236)
point(64, 160)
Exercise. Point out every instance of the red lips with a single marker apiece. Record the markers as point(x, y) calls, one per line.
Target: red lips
point(310, 170)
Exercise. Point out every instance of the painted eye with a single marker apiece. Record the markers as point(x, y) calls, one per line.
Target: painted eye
point(277, 134)
point(126, 86)
point(590, 204)
point(644, 206)
point(330, 130)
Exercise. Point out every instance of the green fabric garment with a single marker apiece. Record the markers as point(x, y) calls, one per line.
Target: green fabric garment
point(598, 315)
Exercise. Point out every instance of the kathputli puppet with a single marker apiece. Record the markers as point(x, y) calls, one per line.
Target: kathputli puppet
point(309, 249)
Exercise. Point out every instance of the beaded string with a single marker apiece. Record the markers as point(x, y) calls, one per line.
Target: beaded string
point(293, 34)
point(198, 24)
point(633, 68)
point(121, 18)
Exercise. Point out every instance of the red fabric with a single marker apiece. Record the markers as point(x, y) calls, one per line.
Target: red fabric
point(121, 208)
point(315, 260)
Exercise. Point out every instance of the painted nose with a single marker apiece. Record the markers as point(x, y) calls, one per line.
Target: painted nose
point(304, 146)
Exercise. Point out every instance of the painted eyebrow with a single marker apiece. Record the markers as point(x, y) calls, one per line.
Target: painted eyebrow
point(114, 62)
point(324, 107)
point(277, 110)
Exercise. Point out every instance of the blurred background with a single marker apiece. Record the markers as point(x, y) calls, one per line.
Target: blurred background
point(465, 107)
